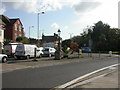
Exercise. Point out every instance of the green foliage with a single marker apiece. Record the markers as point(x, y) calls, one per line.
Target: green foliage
point(6, 42)
point(23, 40)
point(66, 42)
point(103, 38)
point(67, 51)
point(19, 39)
point(64, 48)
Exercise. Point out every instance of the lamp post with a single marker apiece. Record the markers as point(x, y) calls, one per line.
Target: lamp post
point(58, 52)
point(59, 46)
point(38, 25)
point(29, 31)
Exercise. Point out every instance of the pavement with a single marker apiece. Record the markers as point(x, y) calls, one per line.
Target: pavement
point(108, 81)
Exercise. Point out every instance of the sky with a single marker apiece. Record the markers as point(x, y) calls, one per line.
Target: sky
point(70, 16)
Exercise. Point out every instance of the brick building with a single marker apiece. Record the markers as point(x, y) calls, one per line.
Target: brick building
point(50, 41)
point(13, 29)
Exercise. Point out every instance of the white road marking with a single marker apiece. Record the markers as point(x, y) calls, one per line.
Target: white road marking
point(75, 80)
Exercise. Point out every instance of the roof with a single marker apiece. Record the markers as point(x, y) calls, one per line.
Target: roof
point(48, 38)
point(14, 20)
point(8, 21)
point(5, 19)
point(1, 22)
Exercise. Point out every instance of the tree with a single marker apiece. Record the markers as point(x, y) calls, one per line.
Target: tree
point(23, 40)
point(66, 43)
point(6, 42)
point(74, 46)
point(19, 39)
point(102, 36)
point(99, 36)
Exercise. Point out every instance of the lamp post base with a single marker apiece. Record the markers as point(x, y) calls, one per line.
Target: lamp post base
point(57, 55)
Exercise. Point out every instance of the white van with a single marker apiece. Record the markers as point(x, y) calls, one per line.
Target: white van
point(27, 51)
point(49, 51)
point(10, 49)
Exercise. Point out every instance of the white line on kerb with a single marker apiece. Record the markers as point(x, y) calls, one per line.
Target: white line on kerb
point(89, 80)
point(75, 80)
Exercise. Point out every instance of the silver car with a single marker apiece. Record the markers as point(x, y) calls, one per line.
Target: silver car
point(3, 58)
point(49, 51)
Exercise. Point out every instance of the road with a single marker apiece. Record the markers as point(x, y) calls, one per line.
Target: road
point(51, 76)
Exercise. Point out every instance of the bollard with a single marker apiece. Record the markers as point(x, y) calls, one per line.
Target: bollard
point(110, 53)
point(35, 54)
point(80, 52)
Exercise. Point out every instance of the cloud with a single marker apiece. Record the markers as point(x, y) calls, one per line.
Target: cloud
point(82, 7)
point(2, 8)
point(55, 26)
point(29, 7)
point(35, 6)
point(65, 27)
point(103, 13)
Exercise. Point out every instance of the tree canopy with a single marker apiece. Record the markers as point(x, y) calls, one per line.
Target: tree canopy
point(99, 36)
point(23, 40)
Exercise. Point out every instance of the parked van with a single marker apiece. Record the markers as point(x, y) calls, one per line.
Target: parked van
point(27, 51)
point(48, 51)
point(10, 49)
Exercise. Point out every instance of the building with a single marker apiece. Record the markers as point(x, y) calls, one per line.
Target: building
point(13, 29)
point(50, 41)
point(2, 25)
point(34, 41)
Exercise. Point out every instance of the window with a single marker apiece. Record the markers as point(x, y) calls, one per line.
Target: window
point(20, 35)
point(18, 22)
point(15, 36)
point(20, 28)
point(16, 27)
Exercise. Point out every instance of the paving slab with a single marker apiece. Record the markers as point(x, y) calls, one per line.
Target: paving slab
point(108, 81)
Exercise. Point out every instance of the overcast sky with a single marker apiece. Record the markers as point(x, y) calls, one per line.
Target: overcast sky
point(70, 16)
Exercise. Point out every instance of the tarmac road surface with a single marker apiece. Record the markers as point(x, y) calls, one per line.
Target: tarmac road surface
point(51, 76)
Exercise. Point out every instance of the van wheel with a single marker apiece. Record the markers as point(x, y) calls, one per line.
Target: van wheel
point(4, 59)
point(28, 57)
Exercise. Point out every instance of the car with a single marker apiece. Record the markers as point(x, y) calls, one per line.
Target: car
point(86, 49)
point(48, 51)
point(3, 58)
point(40, 51)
